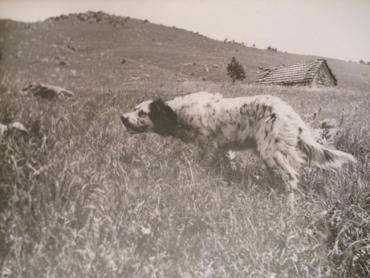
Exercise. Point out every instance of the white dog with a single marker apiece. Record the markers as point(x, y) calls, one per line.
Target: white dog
point(215, 123)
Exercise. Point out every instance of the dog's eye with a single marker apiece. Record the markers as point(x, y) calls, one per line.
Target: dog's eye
point(142, 114)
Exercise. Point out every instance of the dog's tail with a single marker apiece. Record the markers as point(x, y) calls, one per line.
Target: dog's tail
point(321, 156)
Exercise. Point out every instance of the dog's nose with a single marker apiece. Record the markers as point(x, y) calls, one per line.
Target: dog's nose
point(125, 120)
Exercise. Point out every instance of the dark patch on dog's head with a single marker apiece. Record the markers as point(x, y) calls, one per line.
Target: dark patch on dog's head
point(163, 118)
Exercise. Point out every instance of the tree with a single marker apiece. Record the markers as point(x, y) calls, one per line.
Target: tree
point(235, 70)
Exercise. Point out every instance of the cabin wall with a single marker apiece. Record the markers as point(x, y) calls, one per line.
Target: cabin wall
point(323, 78)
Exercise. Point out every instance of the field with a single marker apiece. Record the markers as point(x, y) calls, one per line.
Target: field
point(80, 197)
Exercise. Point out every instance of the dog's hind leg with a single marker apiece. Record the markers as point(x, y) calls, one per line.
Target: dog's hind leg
point(281, 165)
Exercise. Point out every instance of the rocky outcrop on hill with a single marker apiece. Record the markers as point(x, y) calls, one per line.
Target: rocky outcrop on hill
point(13, 126)
point(92, 17)
point(46, 91)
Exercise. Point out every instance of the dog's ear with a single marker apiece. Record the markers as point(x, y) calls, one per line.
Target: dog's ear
point(163, 118)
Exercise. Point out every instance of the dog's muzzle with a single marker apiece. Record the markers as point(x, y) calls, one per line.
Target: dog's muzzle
point(131, 128)
point(125, 122)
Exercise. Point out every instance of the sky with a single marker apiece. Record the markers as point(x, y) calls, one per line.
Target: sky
point(328, 28)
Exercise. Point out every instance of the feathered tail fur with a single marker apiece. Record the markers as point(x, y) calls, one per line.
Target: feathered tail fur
point(321, 156)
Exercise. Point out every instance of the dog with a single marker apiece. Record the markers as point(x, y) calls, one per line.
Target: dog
point(263, 122)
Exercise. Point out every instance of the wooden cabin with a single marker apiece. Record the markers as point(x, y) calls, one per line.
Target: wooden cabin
point(315, 73)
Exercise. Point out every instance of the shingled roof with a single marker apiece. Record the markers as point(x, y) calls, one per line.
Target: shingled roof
point(298, 74)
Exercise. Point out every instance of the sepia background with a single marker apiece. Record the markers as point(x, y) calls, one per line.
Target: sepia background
point(80, 197)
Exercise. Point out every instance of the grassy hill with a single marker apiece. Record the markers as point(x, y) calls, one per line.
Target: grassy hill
point(79, 197)
point(101, 42)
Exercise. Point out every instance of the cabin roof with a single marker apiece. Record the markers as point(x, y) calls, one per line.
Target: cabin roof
point(300, 73)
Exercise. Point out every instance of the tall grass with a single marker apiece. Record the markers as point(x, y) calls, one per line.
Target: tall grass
point(82, 198)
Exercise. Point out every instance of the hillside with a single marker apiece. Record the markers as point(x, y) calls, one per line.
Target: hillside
point(94, 44)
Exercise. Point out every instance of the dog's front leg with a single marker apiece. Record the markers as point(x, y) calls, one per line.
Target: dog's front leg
point(210, 154)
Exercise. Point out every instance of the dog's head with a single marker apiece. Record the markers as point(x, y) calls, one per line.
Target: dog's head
point(155, 116)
